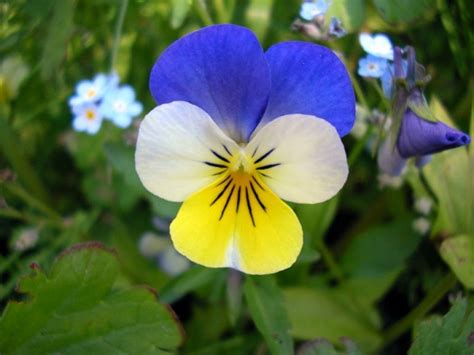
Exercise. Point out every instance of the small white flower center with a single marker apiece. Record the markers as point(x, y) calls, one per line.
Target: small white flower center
point(120, 106)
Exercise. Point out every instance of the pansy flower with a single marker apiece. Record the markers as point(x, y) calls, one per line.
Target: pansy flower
point(120, 106)
point(237, 130)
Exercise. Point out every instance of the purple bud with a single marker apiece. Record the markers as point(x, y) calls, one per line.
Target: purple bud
point(419, 137)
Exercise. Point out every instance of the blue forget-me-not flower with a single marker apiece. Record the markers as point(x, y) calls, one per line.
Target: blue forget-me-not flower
point(310, 9)
point(119, 105)
point(380, 51)
point(238, 130)
point(372, 66)
point(102, 98)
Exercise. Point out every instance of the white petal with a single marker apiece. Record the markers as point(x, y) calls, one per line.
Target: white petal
point(312, 160)
point(174, 142)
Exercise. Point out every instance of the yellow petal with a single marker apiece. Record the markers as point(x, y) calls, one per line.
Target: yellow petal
point(238, 222)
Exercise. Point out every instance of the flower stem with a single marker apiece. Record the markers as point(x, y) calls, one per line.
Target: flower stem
point(220, 11)
point(360, 145)
point(431, 299)
point(358, 91)
point(330, 262)
point(203, 13)
point(118, 33)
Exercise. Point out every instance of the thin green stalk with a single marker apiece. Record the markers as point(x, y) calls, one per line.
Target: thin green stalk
point(382, 97)
point(431, 299)
point(11, 148)
point(118, 33)
point(359, 92)
point(360, 146)
point(201, 9)
point(330, 262)
point(30, 200)
point(450, 26)
point(222, 16)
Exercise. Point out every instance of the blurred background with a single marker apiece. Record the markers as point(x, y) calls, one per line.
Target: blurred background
point(371, 254)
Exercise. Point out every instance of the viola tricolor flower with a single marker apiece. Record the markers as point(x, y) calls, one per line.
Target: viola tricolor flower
point(372, 66)
point(418, 134)
point(120, 106)
point(237, 130)
point(103, 98)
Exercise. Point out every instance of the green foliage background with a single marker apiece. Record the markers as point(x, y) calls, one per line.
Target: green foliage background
point(364, 274)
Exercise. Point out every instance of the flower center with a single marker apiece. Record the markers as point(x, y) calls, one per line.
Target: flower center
point(90, 115)
point(120, 106)
point(240, 178)
point(91, 93)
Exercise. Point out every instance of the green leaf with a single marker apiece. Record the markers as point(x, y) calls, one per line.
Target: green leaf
point(74, 309)
point(331, 314)
point(350, 12)
point(451, 334)
point(403, 10)
point(188, 281)
point(266, 307)
point(323, 347)
point(258, 16)
point(449, 176)
point(179, 12)
point(316, 219)
point(59, 29)
point(458, 252)
point(380, 250)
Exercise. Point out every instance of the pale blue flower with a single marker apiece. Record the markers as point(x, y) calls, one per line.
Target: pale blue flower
point(87, 118)
point(309, 10)
point(378, 45)
point(119, 106)
point(335, 28)
point(371, 66)
point(93, 90)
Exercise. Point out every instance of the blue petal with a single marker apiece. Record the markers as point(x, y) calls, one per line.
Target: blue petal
point(221, 69)
point(310, 79)
point(421, 137)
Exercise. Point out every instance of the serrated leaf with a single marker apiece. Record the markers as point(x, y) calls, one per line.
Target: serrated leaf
point(458, 252)
point(74, 309)
point(266, 307)
point(403, 10)
point(331, 314)
point(59, 29)
point(350, 12)
point(451, 334)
